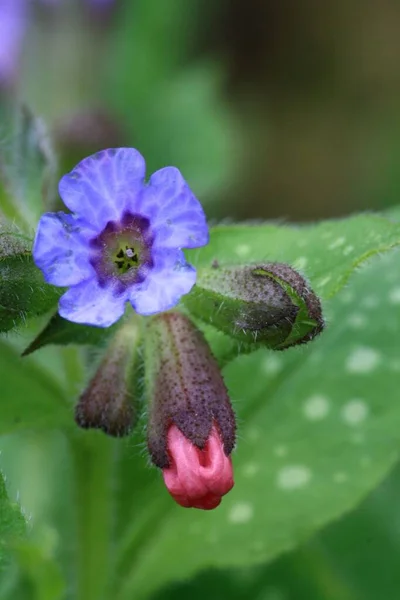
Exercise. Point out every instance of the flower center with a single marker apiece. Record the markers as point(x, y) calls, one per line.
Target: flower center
point(122, 252)
point(126, 258)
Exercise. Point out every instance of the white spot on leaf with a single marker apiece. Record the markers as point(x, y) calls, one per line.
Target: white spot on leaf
point(340, 477)
point(394, 295)
point(293, 477)
point(242, 249)
point(394, 365)
point(301, 262)
point(370, 302)
point(250, 469)
point(242, 512)
point(337, 243)
point(316, 407)
point(347, 297)
point(355, 411)
point(362, 360)
point(357, 321)
point(324, 281)
point(272, 364)
point(348, 250)
point(280, 450)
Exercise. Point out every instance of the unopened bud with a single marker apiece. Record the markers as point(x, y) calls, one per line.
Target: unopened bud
point(197, 478)
point(191, 429)
point(107, 402)
point(269, 304)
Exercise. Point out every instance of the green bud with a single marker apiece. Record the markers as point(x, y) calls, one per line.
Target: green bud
point(108, 401)
point(268, 304)
point(184, 387)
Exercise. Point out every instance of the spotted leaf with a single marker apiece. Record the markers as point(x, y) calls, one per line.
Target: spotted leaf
point(326, 253)
point(318, 430)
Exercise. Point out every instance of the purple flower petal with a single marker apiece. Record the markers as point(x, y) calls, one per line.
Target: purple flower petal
point(61, 251)
point(91, 304)
point(170, 278)
point(177, 218)
point(99, 188)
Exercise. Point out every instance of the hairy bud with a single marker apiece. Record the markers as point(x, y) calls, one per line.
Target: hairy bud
point(191, 429)
point(107, 402)
point(268, 304)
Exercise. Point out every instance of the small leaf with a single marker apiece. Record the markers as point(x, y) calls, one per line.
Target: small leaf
point(23, 293)
point(28, 398)
point(61, 332)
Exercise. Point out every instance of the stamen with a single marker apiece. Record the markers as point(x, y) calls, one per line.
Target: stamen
point(126, 259)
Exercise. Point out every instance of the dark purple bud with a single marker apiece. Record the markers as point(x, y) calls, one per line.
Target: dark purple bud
point(184, 388)
point(108, 401)
point(268, 304)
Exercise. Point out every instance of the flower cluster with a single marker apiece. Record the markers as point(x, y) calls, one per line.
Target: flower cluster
point(122, 242)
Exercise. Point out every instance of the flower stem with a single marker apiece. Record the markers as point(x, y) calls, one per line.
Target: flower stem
point(93, 458)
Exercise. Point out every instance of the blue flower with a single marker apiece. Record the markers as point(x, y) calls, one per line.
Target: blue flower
point(122, 241)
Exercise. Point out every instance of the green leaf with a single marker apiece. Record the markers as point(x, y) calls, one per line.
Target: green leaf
point(353, 559)
point(29, 398)
point(40, 569)
point(61, 332)
point(318, 429)
point(23, 293)
point(12, 524)
point(326, 253)
point(27, 166)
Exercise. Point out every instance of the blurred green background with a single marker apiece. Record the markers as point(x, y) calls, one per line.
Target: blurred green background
point(272, 110)
point(283, 110)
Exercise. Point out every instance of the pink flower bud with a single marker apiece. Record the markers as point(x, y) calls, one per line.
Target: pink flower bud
point(197, 478)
